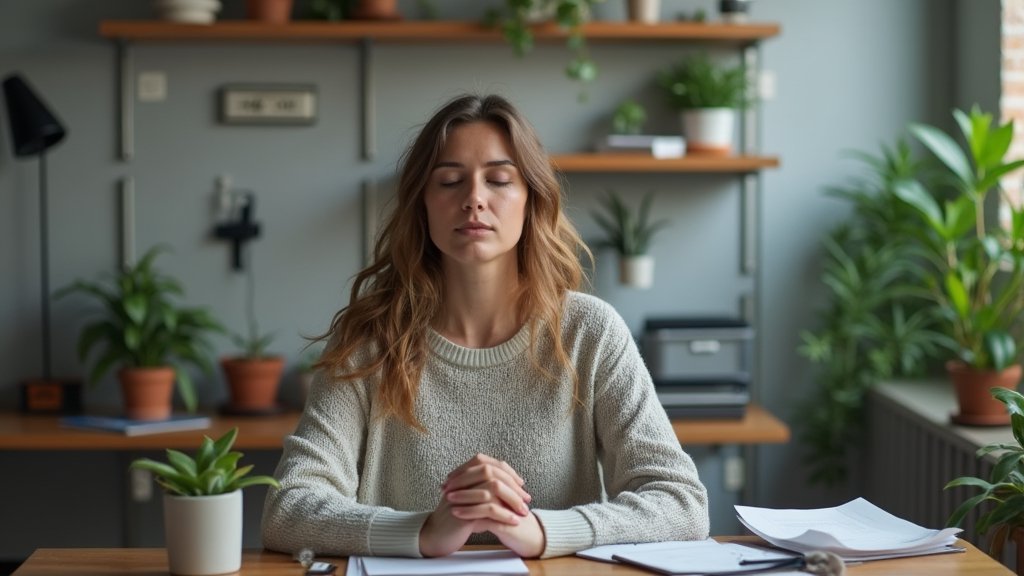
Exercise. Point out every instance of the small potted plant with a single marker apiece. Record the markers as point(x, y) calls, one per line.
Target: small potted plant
point(630, 235)
point(203, 505)
point(974, 269)
point(148, 335)
point(629, 118)
point(1005, 487)
point(707, 96)
point(254, 375)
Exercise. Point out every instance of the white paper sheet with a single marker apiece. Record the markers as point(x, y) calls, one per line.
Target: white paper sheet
point(487, 562)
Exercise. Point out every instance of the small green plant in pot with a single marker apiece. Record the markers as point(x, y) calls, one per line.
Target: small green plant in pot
point(707, 96)
point(974, 271)
point(630, 234)
point(203, 505)
point(145, 332)
point(254, 375)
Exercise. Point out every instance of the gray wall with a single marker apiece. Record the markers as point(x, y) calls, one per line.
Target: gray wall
point(849, 74)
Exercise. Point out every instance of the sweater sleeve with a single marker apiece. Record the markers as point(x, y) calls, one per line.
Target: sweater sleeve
point(316, 506)
point(652, 486)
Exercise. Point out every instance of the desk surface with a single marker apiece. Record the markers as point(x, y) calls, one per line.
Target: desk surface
point(153, 561)
point(35, 432)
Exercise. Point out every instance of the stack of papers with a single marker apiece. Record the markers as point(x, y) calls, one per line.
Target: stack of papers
point(485, 562)
point(855, 531)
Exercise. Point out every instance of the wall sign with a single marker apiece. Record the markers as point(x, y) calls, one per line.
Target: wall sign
point(268, 104)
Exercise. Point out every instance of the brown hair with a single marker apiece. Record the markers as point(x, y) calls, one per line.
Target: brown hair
point(395, 299)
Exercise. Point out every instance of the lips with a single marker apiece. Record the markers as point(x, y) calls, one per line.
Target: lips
point(474, 226)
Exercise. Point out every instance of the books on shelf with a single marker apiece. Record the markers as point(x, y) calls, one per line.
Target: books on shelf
point(855, 531)
point(657, 146)
point(129, 427)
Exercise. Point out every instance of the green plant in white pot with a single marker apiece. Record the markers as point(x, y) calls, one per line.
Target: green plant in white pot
point(203, 505)
point(707, 96)
point(630, 235)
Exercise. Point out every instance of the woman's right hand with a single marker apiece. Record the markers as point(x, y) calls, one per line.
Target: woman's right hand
point(481, 491)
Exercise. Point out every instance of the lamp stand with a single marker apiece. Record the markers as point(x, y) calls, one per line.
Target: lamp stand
point(47, 395)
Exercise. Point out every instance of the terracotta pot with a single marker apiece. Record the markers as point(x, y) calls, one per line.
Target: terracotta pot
point(270, 11)
point(253, 383)
point(377, 10)
point(147, 392)
point(976, 405)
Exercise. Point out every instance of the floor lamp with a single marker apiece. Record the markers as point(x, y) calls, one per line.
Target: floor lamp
point(34, 129)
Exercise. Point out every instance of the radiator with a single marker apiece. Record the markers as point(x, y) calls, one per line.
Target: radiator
point(910, 455)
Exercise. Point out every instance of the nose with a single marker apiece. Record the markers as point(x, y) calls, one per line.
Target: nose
point(474, 201)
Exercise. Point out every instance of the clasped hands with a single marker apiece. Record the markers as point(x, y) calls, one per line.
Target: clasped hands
point(482, 495)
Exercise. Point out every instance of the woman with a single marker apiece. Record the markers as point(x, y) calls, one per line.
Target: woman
point(467, 393)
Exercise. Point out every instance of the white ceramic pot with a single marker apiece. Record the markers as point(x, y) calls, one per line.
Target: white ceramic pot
point(203, 533)
point(645, 11)
point(637, 271)
point(709, 130)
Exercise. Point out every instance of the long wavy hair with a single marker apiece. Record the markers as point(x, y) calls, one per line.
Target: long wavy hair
point(383, 331)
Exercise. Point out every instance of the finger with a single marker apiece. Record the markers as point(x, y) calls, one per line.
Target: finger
point(478, 476)
point(492, 491)
point(481, 459)
point(490, 511)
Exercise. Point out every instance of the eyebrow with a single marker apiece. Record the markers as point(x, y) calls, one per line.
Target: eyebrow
point(490, 164)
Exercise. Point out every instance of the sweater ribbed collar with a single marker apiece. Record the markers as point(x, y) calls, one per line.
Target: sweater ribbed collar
point(479, 357)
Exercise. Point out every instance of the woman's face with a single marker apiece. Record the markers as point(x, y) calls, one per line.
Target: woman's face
point(476, 197)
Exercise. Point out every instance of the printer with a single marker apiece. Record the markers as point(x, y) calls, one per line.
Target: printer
point(701, 366)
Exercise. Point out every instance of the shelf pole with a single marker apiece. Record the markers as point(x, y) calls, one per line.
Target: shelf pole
point(126, 101)
point(369, 127)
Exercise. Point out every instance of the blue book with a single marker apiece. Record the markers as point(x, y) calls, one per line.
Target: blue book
point(129, 427)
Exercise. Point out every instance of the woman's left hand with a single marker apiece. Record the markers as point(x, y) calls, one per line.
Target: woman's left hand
point(525, 539)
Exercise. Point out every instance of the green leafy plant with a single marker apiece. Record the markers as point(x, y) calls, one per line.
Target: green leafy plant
point(873, 327)
point(142, 326)
point(330, 9)
point(516, 18)
point(696, 82)
point(1005, 487)
point(628, 232)
point(629, 118)
point(214, 469)
point(976, 269)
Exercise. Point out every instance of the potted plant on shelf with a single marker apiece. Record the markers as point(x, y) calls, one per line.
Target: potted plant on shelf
point(974, 269)
point(707, 95)
point(630, 234)
point(203, 505)
point(517, 18)
point(1005, 487)
point(148, 335)
point(253, 376)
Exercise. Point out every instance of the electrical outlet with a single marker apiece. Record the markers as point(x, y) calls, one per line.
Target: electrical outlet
point(152, 86)
point(734, 475)
point(142, 485)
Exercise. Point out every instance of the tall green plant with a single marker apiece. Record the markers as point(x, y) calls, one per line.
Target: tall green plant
point(872, 326)
point(142, 327)
point(976, 272)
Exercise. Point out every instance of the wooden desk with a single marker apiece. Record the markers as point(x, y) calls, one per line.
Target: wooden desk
point(34, 432)
point(153, 561)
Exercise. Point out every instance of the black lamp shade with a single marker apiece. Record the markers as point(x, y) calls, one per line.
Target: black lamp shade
point(33, 127)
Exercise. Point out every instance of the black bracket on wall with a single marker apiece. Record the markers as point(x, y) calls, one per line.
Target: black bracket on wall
point(241, 230)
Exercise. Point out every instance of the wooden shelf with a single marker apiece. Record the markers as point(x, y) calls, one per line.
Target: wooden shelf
point(36, 432)
point(425, 31)
point(758, 426)
point(617, 162)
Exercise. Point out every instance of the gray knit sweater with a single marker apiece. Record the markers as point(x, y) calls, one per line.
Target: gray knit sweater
point(609, 471)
